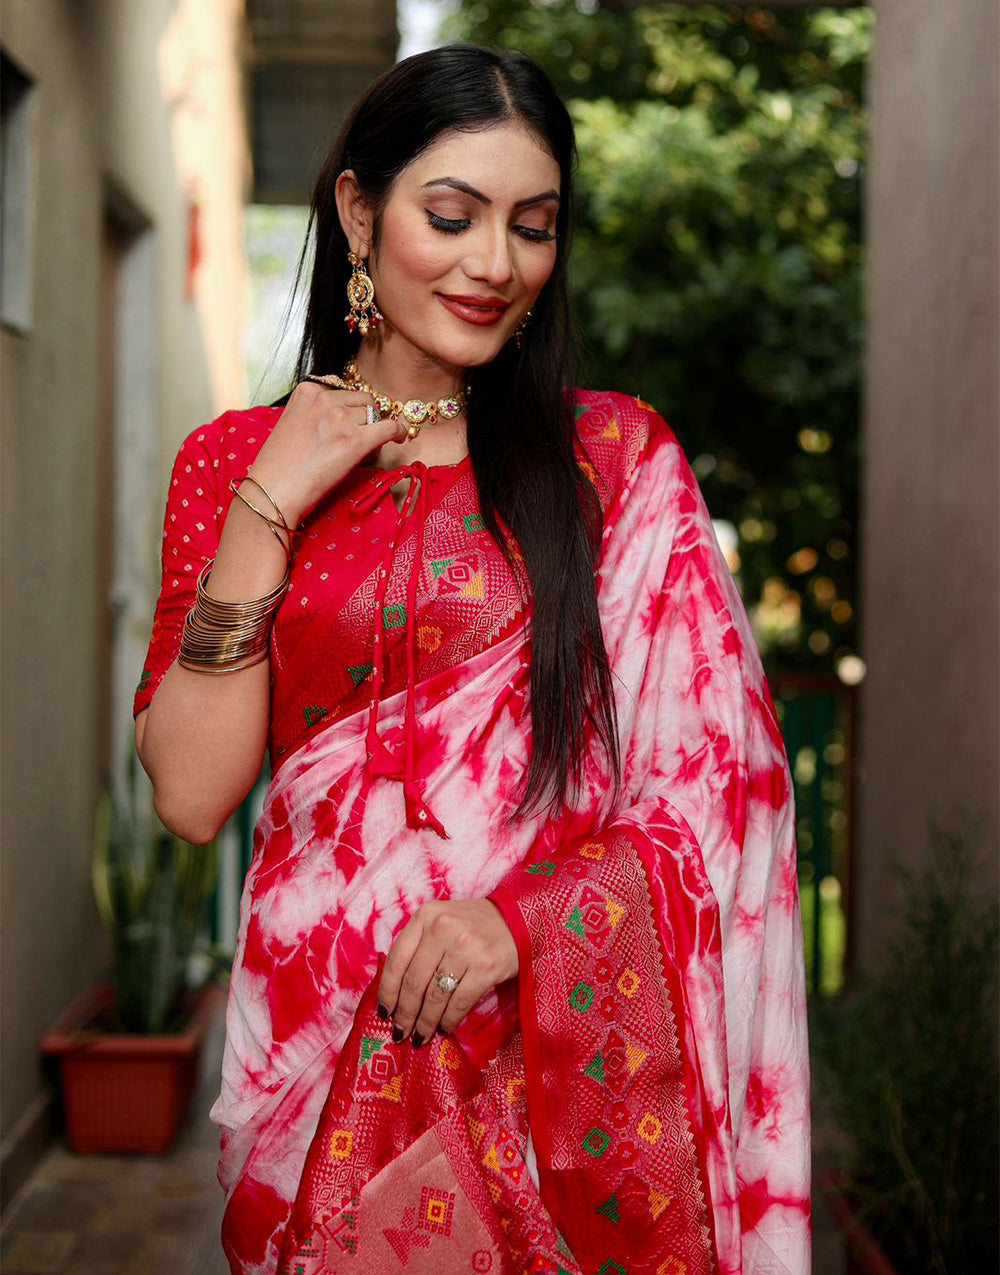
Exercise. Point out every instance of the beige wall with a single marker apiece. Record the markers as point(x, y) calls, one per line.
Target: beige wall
point(930, 589)
point(144, 100)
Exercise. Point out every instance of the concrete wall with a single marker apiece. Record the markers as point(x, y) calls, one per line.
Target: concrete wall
point(931, 495)
point(136, 108)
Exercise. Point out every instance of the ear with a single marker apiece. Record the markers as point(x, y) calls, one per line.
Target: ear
point(355, 215)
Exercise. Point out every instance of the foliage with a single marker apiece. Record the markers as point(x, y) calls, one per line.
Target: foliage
point(152, 891)
point(718, 266)
point(907, 1065)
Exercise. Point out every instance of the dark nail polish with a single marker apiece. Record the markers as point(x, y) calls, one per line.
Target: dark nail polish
point(418, 1040)
point(383, 1013)
point(398, 1034)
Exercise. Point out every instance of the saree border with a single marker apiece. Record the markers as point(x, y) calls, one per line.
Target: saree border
point(653, 1188)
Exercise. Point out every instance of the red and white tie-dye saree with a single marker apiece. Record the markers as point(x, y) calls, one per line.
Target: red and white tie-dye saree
point(636, 1100)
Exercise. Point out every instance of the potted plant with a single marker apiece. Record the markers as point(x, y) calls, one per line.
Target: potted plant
point(128, 1051)
point(906, 1064)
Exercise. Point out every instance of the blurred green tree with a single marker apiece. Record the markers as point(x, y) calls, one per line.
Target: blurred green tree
point(718, 266)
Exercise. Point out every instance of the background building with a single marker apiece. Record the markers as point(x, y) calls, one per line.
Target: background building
point(126, 171)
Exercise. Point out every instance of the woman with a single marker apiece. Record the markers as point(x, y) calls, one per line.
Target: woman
point(468, 1030)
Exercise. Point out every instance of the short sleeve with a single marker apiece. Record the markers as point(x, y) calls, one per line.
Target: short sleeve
point(191, 529)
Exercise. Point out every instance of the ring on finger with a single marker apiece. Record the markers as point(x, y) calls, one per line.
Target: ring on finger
point(372, 414)
point(445, 982)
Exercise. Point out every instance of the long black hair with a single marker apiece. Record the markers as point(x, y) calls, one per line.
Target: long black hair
point(520, 421)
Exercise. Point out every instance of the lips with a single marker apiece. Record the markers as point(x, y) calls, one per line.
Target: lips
point(479, 310)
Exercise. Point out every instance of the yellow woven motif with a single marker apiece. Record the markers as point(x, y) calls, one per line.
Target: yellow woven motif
point(341, 1144)
point(448, 1055)
point(437, 1210)
point(429, 637)
point(657, 1202)
point(628, 983)
point(476, 1131)
point(515, 1089)
point(650, 1128)
point(393, 1090)
point(615, 912)
point(636, 1057)
point(475, 588)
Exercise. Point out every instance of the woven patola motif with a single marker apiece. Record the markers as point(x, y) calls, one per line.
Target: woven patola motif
point(418, 1163)
point(609, 1092)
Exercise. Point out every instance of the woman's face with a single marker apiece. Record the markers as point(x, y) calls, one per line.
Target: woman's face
point(467, 243)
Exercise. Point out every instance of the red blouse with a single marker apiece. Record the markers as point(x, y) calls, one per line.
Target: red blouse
point(379, 598)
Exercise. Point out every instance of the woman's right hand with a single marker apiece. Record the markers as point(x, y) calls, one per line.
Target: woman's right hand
point(319, 437)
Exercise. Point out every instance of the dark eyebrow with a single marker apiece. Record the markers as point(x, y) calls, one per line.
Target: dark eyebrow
point(457, 184)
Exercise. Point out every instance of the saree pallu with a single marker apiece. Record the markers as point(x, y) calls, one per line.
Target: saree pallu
point(637, 1098)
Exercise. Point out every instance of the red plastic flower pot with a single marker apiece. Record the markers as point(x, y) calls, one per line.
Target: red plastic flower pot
point(122, 1092)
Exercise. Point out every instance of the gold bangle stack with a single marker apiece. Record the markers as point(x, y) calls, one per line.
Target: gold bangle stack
point(223, 637)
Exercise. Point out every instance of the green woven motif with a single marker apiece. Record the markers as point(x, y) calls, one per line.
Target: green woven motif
point(596, 1142)
point(394, 617)
point(370, 1045)
point(595, 1069)
point(581, 996)
point(440, 565)
point(474, 522)
point(611, 1209)
point(313, 712)
point(611, 1267)
point(581, 409)
point(359, 672)
point(543, 869)
point(575, 923)
point(144, 680)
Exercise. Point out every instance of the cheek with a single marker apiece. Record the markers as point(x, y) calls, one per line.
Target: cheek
point(416, 258)
point(536, 267)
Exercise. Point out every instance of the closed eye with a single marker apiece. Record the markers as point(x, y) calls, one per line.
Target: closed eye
point(454, 227)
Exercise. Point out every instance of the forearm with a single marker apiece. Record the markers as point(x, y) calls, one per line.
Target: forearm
point(203, 737)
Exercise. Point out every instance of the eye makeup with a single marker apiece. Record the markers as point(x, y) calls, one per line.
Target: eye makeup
point(451, 226)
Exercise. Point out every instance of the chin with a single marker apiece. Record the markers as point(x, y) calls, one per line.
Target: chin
point(471, 351)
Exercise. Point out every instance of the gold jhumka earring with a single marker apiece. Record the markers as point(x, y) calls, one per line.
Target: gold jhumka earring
point(364, 313)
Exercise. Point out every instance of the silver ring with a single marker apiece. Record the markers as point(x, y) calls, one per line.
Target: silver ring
point(446, 982)
point(372, 414)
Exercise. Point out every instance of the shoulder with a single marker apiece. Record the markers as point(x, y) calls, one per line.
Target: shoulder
point(615, 433)
point(225, 446)
point(241, 432)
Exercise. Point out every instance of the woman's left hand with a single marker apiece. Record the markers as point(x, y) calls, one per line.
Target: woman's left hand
point(467, 938)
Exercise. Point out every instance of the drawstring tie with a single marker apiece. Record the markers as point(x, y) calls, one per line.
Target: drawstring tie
point(380, 760)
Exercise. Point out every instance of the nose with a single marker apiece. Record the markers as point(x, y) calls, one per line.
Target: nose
point(491, 259)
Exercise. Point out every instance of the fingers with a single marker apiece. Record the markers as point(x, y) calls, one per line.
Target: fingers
point(419, 999)
point(386, 429)
point(393, 429)
point(456, 1005)
point(408, 989)
point(397, 962)
point(441, 1010)
point(469, 940)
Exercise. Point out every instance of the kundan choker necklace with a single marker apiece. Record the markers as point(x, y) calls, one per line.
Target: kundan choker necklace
point(415, 411)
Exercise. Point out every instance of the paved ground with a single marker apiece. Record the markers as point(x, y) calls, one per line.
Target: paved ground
point(124, 1215)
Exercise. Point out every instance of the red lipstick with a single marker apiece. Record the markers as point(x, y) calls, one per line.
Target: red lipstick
point(481, 310)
